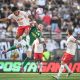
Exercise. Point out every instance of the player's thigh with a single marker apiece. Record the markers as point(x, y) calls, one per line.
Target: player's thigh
point(40, 56)
point(67, 58)
point(20, 31)
point(29, 51)
point(35, 56)
point(27, 29)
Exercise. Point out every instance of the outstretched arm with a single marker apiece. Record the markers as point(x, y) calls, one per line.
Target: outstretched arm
point(4, 20)
point(75, 41)
point(78, 42)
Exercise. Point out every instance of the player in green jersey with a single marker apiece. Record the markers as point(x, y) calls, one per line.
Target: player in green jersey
point(34, 33)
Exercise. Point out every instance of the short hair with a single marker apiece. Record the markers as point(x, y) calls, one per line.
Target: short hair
point(14, 9)
point(70, 31)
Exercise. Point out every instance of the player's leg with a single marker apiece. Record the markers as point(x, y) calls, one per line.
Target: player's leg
point(40, 62)
point(36, 61)
point(61, 67)
point(70, 57)
point(28, 57)
point(29, 52)
point(24, 62)
point(57, 77)
point(27, 29)
point(24, 58)
point(60, 71)
point(24, 29)
point(68, 69)
point(65, 59)
point(19, 32)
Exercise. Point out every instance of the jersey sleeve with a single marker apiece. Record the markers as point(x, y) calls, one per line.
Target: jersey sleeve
point(24, 13)
point(73, 39)
point(10, 16)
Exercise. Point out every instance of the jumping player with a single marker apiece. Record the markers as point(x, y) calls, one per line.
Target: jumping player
point(68, 55)
point(21, 18)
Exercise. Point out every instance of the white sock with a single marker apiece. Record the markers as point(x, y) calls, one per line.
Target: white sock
point(60, 71)
point(39, 64)
point(41, 67)
point(67, 68)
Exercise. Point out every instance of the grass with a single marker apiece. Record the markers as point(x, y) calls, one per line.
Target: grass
point(36, 76)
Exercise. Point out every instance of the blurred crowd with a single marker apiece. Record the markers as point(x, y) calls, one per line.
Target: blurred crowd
point(55, 15)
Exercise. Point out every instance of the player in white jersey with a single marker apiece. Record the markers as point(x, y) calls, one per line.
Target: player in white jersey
point(68, 55)
point(38, 49)
point(38, 53)
point(21, 18)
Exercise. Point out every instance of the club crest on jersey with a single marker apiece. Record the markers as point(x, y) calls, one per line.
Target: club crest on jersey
point(20, 19)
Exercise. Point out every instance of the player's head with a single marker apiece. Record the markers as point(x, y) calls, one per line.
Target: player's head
point(69, 31)
point(40, 27)
point(15, 10)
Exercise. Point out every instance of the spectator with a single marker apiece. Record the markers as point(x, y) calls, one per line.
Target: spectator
point(41, 3)
point(54, 21)
point(46, 55)
point(40, 12)
point(76, 31)
point(67, 24)
point(49, 4)
point(47, 19)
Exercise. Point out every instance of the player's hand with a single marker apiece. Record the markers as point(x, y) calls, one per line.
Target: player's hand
point(33, 23)
point(4, 51)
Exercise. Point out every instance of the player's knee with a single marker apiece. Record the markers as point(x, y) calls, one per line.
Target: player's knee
point(17, 36)
point(62, 63)
point(35, 60)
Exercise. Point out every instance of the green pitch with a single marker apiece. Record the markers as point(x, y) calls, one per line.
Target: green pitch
point(36, 76)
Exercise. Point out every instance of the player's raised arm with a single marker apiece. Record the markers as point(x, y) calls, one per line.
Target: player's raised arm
point(25, 15)
point(72, 38)
point(75, 40)
point(4, 20)
point(78, 42)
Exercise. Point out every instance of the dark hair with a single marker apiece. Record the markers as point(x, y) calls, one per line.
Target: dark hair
point(14, 9)
point(70, 31)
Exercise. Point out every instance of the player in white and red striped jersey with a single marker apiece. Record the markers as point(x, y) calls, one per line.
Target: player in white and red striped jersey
point(21, 18)
point(68, 54)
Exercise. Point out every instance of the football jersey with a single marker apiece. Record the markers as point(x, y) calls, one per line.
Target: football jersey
point(21, 19)
point(34, 33)
point(38, 47)
point(71, 45)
